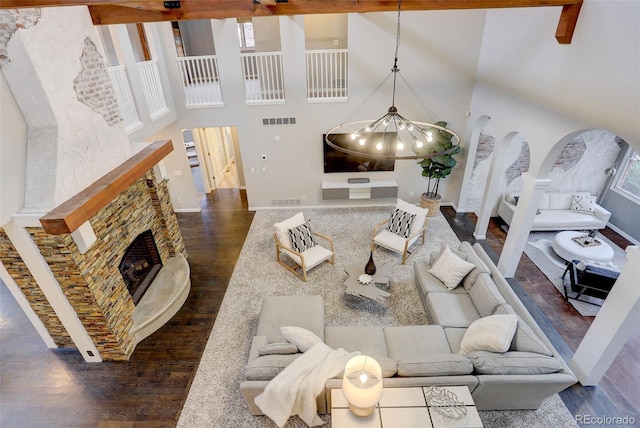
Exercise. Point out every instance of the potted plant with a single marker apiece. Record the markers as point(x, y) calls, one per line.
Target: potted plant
point(436, 168)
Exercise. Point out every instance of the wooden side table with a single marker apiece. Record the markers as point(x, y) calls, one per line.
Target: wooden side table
point(404, 408)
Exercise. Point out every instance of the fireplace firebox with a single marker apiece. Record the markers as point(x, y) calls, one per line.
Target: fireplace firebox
point(140, 265)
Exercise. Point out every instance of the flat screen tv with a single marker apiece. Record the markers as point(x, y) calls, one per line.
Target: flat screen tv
point(337, 161)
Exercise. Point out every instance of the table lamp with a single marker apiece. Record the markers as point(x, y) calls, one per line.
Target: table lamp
point(362, 384)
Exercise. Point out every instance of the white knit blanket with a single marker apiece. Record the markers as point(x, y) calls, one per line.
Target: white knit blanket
point(294, 390)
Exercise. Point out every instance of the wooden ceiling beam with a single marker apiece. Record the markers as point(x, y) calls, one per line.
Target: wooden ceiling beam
point(567, 24)
point(105, 12)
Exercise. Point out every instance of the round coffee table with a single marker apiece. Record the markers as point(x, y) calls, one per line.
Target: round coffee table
point(568, 249)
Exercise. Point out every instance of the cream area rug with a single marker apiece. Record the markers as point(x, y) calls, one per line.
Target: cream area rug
point(215, 399)
point(539, 250)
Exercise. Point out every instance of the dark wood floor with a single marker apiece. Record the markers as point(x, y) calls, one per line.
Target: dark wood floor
point(618, 392)
point(41, 387)
point(56, 388)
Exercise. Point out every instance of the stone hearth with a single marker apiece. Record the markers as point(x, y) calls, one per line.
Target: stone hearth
point(87, 271)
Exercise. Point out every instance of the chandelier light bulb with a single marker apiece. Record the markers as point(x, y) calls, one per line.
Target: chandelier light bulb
point(385, 122)
point(354, 136)
point(401, 126)
point(429, 137)
point(379, 145)
point(419, 144)
point(363, 377)
point(410, 126)
point(362, 141)
point(368, 128)
point(400, 145)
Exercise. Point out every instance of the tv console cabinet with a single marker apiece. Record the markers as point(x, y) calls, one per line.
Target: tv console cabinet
point(374, 189)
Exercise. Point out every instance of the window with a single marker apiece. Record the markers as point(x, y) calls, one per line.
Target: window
point(628, 183)
point(245, 34)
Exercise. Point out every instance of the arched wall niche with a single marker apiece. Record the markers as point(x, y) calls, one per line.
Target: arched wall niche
point(590, 169)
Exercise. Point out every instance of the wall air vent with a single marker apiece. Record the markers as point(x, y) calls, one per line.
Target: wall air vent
point(284, 202)
point(278, 121)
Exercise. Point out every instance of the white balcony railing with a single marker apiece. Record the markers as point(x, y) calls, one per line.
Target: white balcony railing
point(122, 89)
point(263, 77)
point(327, 75)
point(200, 81)
point(152, 87)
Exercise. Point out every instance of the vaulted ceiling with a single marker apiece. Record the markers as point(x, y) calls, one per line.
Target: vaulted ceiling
point(127, 11)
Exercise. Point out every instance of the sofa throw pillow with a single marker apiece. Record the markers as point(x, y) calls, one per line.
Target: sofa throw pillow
point(302, 237)
point(525, 339)
point(493, 333)
point(513, 363)
point(301, 337)
point(450, 268)
point(435, 255)
point(400, 222)
point(583, 202)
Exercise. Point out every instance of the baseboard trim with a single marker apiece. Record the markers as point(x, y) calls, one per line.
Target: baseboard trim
point(187, 210)
point(291, 207)
point(623, 234)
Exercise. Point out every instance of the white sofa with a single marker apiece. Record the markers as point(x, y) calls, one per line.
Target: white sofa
point(555, 213)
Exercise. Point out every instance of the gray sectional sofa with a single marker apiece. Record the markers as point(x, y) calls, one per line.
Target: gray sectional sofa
point(422, 355)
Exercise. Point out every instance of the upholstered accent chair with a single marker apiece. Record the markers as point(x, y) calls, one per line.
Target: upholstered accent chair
point(587, 278)
point(296, 240)
point(406, 224)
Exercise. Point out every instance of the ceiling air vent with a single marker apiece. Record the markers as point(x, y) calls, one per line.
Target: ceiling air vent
point(278, 121)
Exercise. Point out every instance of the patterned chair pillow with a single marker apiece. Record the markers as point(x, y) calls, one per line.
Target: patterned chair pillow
point(400, 222)
point(302, 237)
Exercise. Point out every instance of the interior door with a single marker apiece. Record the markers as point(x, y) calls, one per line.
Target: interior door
point(206, 164)
point(212, 138)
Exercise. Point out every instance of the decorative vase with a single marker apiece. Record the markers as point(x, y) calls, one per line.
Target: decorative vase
point(433, 204)
point(370, 268)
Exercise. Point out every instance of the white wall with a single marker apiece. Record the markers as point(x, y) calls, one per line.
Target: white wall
point(181, 186)
point(321, 31)
point(13, 154)
point(197, 38)
point(72, 142)
point(440, 68)
point(528, 82)
point(266, 32)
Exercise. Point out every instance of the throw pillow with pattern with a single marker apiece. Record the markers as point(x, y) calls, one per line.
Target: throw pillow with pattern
point(400, 223)
point(583, 202)
point(302, 237)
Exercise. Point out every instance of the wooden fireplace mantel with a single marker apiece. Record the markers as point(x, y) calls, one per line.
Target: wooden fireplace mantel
point(73, 213)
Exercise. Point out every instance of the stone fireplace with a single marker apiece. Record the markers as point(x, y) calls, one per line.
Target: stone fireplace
point(91, 278)
point(87, 195)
